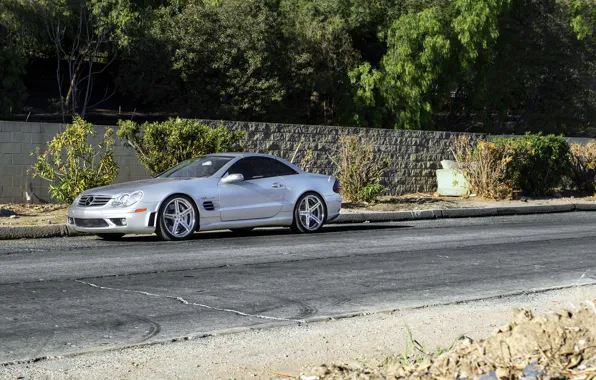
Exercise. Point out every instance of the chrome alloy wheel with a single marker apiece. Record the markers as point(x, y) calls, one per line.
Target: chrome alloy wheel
point(179, 218)
point(311, 213)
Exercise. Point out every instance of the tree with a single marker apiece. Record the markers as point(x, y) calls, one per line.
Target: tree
point(222, 59)
point(539, 76)
point(431, 53)
point(12, 89)
point(86, 35)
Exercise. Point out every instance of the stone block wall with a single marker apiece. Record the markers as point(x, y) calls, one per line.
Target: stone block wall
point(414, 155)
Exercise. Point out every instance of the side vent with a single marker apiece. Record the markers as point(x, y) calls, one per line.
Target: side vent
point(208, 206)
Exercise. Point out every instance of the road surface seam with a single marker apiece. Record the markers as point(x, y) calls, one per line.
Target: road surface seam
point(185, 302)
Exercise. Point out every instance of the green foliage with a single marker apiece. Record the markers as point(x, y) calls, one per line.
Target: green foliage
point(538, 163)
point(418, 50)
point(477, 26)
point(161, 145)
point(358, 170)
point(583, 18)
point(72, 164)
point(430, 53)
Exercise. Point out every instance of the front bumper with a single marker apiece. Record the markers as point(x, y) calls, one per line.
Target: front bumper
point(107, 219)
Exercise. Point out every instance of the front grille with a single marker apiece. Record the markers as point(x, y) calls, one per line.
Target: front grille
point(91, 223)
point(94, 200)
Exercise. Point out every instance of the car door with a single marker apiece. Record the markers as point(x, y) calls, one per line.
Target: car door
point(259, 196)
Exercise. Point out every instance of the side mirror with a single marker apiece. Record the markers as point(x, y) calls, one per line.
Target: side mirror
point(232, 178)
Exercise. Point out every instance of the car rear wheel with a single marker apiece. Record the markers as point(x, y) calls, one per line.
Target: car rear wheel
point(178, 218)
point(310, 214)
point(110, 237)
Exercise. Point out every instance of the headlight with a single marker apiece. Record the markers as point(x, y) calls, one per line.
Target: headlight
point(126, 200)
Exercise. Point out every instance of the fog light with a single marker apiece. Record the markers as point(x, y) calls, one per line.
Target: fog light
point(70, 220)
point(120, 222)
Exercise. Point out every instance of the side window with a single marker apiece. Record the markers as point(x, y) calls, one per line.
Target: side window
point(260, 167)
point(278, 168)
point(245, 167)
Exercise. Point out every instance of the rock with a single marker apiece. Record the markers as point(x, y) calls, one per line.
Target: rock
point(5, 212)
point(13, 216)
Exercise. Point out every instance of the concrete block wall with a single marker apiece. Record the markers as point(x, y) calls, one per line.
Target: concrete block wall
point(19, 139)
point(414, 155)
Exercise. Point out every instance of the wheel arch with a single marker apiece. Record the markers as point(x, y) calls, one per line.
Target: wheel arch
point(194, 201)
point(319, 195)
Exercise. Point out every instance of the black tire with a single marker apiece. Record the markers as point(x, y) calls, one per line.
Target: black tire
point(242, 231)
point(297, 225)
point(162, 226)
point(110, 237)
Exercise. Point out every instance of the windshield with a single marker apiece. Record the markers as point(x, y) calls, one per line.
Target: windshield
point(199, 167)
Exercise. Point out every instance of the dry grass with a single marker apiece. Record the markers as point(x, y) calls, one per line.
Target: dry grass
point(583, 166)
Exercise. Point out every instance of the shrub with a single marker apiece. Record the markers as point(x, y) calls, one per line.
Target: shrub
point(484, 165)
point(583, 166)
point(72, 164)
point(538, 163)
point(161, 145)
point(358, 170)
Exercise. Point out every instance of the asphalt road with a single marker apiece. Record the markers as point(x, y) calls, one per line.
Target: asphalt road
point(61, 296)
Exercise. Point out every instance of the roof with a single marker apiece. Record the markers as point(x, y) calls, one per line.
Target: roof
point(240, 154)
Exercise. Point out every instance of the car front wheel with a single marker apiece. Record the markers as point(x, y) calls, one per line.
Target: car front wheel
point(178, 218)
point(310, 214)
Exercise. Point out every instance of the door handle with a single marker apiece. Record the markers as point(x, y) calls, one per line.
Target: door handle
point(277, 185)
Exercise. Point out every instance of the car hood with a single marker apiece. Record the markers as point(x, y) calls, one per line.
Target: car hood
point(143, 185)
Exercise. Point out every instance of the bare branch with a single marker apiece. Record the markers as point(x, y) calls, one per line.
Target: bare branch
point(106, 98)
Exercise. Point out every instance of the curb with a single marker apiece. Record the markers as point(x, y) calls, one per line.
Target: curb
point(63, 230)
point(378, 217)
point(35, 232)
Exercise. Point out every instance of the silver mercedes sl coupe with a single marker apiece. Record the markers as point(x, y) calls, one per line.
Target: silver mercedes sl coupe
point(236, 191)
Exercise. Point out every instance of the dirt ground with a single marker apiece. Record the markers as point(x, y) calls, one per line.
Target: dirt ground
point(35, 214)
point(561, 345)
point(38, 214)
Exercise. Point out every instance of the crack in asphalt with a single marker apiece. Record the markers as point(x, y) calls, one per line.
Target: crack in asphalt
point(185, 302)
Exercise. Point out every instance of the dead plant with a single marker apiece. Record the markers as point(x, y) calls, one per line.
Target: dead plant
point(484, 165)
point(583, 166)
point(359, 170)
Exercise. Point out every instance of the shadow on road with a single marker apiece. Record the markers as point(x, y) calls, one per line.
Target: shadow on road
point(226, 234)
